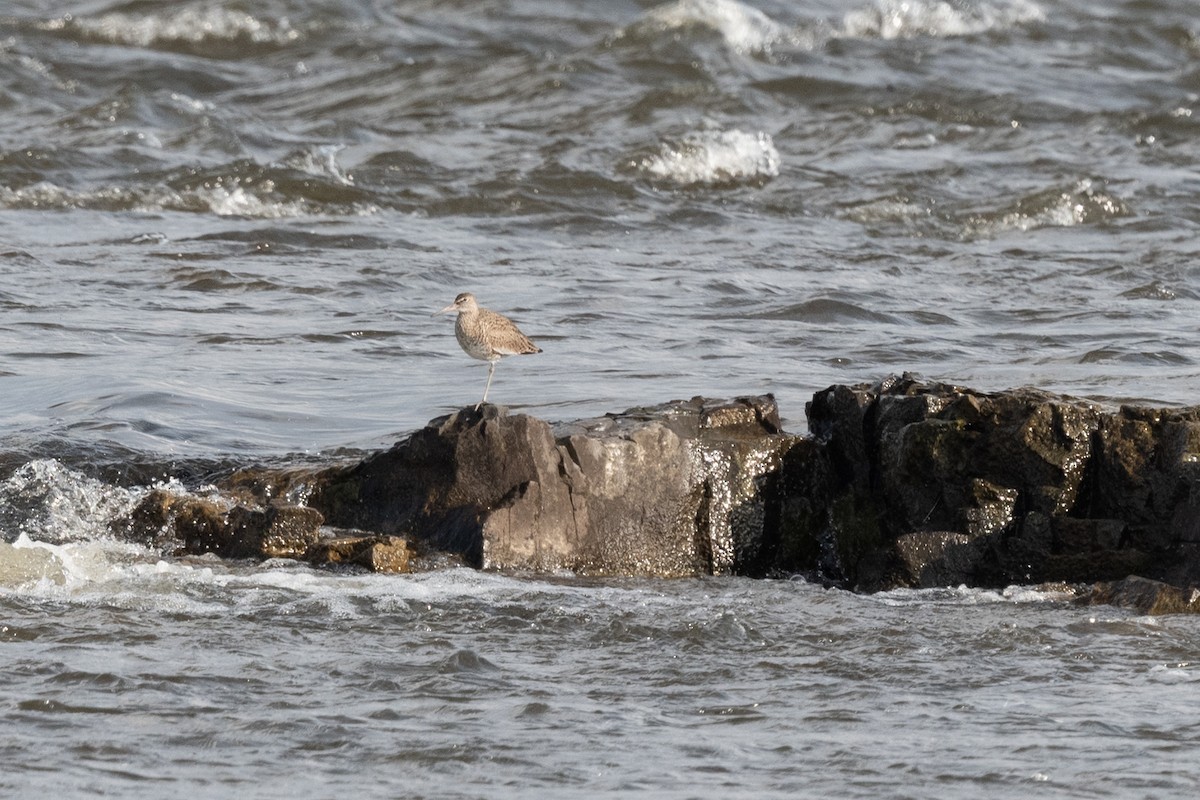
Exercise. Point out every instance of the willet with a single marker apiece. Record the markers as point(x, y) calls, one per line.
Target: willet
point(486, 335)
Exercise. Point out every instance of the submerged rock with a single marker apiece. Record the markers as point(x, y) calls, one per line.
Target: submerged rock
point(375, 553)
point(1145, 596)
point(201, 525)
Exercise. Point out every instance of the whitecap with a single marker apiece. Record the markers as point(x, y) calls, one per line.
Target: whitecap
point(709, 157)
point(964, 595)
point(744, 29)
point(42, 568)
point(1082, 204)
point(903, 19)
point(895, 208)
point(237, 202)
point(187, 25)
point(320, 161)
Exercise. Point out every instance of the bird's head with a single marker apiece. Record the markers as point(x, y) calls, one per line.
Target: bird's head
point(464, 302)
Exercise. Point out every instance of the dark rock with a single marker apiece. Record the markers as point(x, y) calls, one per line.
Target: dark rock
point(262, 486)
point(1145, 596)
point(1147, 474)
point(151, 521)
point(845, 415)
point(667, 490)
point(937, 558)
point(933, 482)
point(936, 443)
point(796, 535)
point(1101, 565)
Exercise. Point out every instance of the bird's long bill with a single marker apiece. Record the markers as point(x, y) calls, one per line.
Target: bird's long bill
point(445, 310)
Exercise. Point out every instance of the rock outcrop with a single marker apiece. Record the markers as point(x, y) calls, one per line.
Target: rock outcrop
point(932, 485)
point(901, 483)
point(669, 490)
point(375, 553)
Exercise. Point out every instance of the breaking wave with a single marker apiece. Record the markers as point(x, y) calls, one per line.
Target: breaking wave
point(747, 30)
point(304, 183)
point(1082, 204)
point(744, 29)
point(45, 500)
point(713, 157)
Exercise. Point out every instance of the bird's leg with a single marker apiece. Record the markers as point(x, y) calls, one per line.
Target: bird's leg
point(491, 371)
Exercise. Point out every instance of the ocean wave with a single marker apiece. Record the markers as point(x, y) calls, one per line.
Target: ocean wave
point(1082, 204)
point(893, 208)
point(903, 19)
point(319, 161)
point(223, 201)
point(187, 26)
point(303, 183)
point(744, 29)
point(713, 157)
point(964, 595)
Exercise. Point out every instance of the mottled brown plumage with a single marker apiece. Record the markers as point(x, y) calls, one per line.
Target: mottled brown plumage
point(486, 335)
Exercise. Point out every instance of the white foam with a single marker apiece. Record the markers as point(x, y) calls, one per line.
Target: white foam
point(889, 209)
point(41, 568)
point(235, 201)
point(191, 104)
point(48, 502)
point(187, 25)
point(1179, 672)
point(964, 595)
point(903, 19)
point(23, 564)
point(743, 28)
point(320, 161)
point(714, 157)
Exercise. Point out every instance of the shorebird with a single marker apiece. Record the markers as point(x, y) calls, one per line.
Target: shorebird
point(486, 335)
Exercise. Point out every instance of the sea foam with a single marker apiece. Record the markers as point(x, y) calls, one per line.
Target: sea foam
point(1084, 203)
point(902, 19)
point(744, 29)
point(224, 198)
point(48, 502)
point(187, 25)
point(710, 157)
